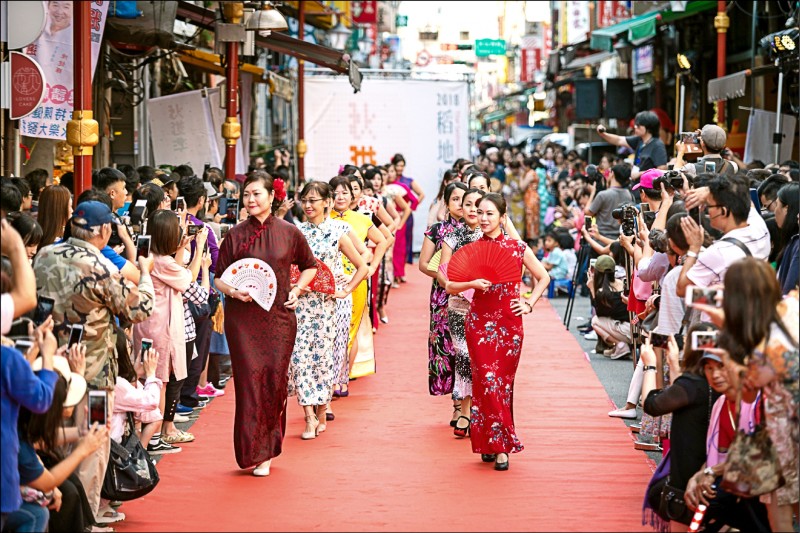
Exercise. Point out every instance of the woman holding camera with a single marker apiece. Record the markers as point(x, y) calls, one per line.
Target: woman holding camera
point(165, 326)
point(494, 338)
point(611, 320)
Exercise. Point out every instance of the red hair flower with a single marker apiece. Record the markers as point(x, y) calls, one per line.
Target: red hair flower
point(279, 188)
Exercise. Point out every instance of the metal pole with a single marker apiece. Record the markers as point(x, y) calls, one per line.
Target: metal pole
point(301, 142)
point(82, 130)
point(681, 105)
point(721, 24)
point(753, 25)
point(777, 136)
point(232, 89)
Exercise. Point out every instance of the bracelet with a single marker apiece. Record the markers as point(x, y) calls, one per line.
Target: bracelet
point(650, 368)
point(530, 307)
point(692, 254)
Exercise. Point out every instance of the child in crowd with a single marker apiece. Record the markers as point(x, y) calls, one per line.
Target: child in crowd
point(555, 261)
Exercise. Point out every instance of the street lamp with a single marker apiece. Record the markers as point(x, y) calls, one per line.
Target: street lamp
point(266, 19)
point(365, 44)
point(338, 36)
point(624, 50)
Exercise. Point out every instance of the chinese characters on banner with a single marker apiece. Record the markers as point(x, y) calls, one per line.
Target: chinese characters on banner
point(53, 51)
point(611, 12)
point(535, 47)
point(577, 21)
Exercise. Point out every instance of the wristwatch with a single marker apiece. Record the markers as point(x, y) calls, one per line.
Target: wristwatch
point(709, 472)
point(650, 367)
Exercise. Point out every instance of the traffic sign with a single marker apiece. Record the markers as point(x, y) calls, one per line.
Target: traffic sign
point(490, 47)
point(23, 23)
point(423, 58)
point(401, 21)
point(27, 85)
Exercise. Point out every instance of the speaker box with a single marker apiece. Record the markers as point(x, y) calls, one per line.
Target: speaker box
point(619, 98)
point(588, 99)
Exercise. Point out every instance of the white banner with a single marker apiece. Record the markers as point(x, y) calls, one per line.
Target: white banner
point(185, 128)
point(426, 121)
point(577, 21)
point(53, 51)
point(760, 128)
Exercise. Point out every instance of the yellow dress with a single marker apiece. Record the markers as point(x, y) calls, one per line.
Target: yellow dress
point(365, 359)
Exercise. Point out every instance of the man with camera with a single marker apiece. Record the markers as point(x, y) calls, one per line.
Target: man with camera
point(712, 141)
point(730, 211)
point(649, 150)
point(605, 202)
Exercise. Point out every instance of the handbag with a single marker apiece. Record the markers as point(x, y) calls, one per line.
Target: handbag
point(752, 466)
point(131, 473)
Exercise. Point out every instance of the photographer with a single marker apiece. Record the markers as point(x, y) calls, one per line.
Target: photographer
point(712, 141)
point(731, 212)
point(649, 151)
point(605, 202)
point(611, 321)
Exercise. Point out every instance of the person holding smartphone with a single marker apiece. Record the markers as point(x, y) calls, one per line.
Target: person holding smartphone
point(712, 140)
point(645, 142)
point(166, 323)
point(133, 396)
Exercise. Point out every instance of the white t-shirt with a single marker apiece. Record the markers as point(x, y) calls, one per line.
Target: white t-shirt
point(6, 312)
point(672, 307)
point(713, 263)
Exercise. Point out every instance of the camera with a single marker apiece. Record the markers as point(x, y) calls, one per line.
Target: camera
point(672, 179)
point(626, 214)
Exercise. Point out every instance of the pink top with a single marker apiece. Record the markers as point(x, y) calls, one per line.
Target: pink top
point(166, 325)
point(747, 423)
point(134, 399)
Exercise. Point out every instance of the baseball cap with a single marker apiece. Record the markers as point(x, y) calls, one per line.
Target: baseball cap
point(91, 214)
point(712, 356)
point(605, 263)
point(714, 137)
point(492, 150)
point(646, 180)
point(76, 384)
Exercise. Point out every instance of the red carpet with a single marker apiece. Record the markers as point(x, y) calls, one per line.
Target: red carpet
point(389, 462)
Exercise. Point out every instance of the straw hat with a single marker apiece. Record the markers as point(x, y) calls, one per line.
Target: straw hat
point(76, 384)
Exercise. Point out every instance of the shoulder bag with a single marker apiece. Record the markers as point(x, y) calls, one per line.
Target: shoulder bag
point(131, 473)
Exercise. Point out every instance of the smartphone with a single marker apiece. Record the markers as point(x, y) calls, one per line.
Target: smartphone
point(704, 339)
point(592, 263)
point(223, 229)
point(138, 212)
point(44, 308)
point(222, 206)
point(232, 211)
point(180, 204)
point(756, 200)
point(75, 334)
point(146, 345)
point(644, 208)
point(688, 137)
point(587, 223)
point(143, 246)
point(657, 340)
point(23, 346)
point(703, 295)
point(98, 403)
point(710, 166)
point(192, 230)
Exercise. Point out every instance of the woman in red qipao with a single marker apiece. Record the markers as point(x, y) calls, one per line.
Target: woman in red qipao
point(260, 341)
point(494, 338)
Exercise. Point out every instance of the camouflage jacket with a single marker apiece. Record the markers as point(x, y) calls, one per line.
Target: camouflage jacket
point(89, 290)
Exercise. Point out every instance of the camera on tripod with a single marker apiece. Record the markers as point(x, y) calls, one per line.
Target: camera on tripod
point(626, 214)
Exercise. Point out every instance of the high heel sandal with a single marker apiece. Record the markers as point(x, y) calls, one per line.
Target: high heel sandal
point(456, 409)
point(314, 421)
point(459, 431)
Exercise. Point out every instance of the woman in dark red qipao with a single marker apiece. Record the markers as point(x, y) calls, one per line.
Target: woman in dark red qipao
point(261, 341)
point(494, 339)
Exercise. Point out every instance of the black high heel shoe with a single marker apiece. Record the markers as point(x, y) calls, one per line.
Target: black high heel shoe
point(459, 431)
point(454, 421)
point(501, 466)
point(488, 457)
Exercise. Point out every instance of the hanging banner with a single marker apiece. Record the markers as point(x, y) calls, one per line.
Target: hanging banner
point(185, 128)
point(53, 51)
point(364, 12)
point(373, 125)
point(577, 21)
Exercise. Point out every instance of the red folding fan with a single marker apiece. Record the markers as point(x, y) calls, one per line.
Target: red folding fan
point(323, 281)
point(484, 260)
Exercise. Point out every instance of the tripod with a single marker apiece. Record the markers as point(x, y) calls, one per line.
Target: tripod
point(631, 314)
point(583, 257)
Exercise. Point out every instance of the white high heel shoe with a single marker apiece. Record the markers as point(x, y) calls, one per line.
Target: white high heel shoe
point(262, 470)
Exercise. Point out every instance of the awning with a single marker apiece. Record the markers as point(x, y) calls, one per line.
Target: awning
point(643, 27)
point(593, 59)
point(733, 85)
point(335, 60)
